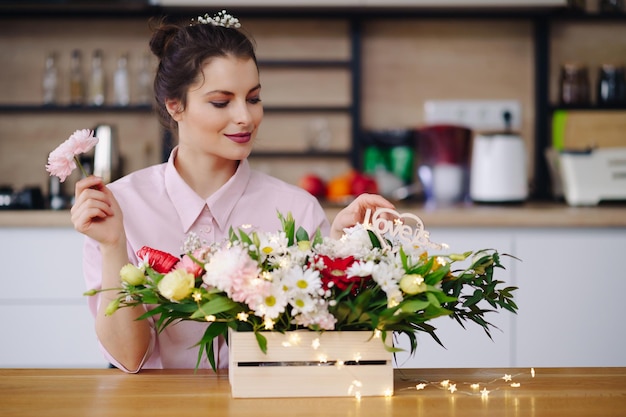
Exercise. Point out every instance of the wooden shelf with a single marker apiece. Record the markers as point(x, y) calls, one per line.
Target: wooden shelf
point(39, 108)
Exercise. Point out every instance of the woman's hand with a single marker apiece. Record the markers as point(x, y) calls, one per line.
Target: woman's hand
point(95, 212)
point(355, 212)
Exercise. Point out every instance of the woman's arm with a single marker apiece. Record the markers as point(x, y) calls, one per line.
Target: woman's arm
point(97, 215)
point(355, 212)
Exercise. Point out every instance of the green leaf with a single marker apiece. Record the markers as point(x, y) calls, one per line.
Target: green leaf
point(374, 239)
point(189, 307)
point(432, 299)
point(475, 298)
point(244, 237)
point(206, 343)
point(217, 305)
point(435, 277)
point(262, 341)
point(302, 235)
point(413, 305)
point(318, 239)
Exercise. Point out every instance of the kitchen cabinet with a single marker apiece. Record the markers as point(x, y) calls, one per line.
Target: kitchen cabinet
point(571, 286)
point(46, 321)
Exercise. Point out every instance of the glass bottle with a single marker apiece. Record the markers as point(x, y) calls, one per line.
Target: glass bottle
point(77, 83)
point(96, 81)
point(144, 81)
point(611, 85)
point(50, 80)
point(574, 88)
point(120, 82)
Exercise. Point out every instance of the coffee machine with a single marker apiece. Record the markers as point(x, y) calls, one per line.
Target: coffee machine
point(106, 159)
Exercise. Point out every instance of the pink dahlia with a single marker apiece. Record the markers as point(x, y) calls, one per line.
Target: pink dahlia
point(63, 160)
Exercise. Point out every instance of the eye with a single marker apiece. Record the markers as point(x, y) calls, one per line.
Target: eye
point(219, 104)
point(254, 100)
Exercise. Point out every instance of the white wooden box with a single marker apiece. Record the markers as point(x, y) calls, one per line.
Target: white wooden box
point(309, 364)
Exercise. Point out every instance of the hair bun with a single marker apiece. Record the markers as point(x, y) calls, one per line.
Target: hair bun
point(161, 37)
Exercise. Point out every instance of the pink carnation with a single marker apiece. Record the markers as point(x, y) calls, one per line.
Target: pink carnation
point(188, 264)
point(62, 161)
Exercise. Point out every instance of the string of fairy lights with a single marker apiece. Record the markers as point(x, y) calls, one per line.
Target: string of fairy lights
point(481, 388)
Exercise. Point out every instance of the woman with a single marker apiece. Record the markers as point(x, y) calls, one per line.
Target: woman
point(208, 93)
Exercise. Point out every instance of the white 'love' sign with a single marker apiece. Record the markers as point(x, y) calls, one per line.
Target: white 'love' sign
point(406, 228)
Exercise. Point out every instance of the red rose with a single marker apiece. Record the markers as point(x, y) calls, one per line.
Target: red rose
point(334, 271)
point(160, 261)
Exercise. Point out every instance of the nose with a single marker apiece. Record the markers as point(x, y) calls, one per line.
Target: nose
point(242, 114)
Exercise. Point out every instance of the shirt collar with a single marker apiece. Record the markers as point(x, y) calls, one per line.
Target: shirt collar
point(189, 205)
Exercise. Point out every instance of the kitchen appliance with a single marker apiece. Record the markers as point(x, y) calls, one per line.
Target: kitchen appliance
point(443, 162)
point(388, 157)
point(106, 159)
point(27, 198)
point(498, 169)
point(591, 176)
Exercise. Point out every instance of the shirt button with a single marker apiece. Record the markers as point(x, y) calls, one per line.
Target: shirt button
point(206, 229)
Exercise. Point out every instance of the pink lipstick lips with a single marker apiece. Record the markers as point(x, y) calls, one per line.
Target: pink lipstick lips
point(243, 137)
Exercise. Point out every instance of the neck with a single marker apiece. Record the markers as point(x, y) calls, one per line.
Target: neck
point(204, 175)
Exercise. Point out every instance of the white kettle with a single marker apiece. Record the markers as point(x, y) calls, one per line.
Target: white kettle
point(498, 169)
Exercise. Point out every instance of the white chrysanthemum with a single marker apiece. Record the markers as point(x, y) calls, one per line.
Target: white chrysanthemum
point(272, 244)
point(361, 269)
point(273, 303)
point(302, 280)
point(302, 302)
point(297, 256)
point(387, 276)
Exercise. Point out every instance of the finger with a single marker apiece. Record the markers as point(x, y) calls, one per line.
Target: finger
point(375, 200)
point(88, 182)
point(84, 220)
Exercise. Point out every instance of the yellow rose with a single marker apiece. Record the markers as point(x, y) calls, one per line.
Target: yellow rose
point(412, 284)
point(132, 275)
point(176, 285)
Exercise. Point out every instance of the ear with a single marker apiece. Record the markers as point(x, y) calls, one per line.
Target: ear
point(174, 108)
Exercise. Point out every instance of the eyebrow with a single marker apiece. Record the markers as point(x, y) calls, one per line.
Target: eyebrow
point(229, 93)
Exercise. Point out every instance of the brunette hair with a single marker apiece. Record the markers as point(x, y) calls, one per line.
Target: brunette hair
point(182, 49)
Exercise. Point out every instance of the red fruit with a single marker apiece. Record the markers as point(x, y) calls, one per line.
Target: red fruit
point(313, 184)
point(160, 261)
point(362, 184)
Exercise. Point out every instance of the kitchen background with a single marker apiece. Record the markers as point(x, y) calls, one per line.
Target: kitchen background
point(405, 61)
point(570, 274)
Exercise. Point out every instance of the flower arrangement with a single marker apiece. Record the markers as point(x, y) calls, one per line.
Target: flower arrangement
point(379, 277)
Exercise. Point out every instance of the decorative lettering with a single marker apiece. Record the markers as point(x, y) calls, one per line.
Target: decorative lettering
point(406, 228)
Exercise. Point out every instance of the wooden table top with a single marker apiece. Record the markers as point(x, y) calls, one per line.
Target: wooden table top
point(555, 392)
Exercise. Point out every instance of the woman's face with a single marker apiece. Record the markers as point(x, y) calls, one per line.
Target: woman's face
point(223, 110)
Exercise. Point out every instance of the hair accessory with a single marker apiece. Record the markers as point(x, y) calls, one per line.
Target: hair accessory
point(220, 19)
